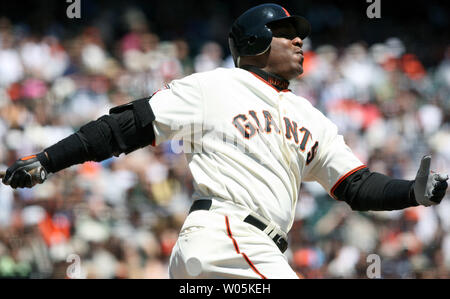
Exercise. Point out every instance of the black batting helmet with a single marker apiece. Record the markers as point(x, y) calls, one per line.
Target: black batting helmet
point(250, 35)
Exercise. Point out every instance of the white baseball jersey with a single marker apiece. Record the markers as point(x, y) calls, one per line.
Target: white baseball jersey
point(248, 143)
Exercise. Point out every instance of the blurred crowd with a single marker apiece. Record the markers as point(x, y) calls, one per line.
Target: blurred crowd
point(120, 218)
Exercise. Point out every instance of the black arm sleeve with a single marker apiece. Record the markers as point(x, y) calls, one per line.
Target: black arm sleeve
point(365, 190)
point(126, 129)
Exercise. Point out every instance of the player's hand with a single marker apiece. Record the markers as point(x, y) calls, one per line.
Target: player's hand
point(25, 173)
point(429, 187)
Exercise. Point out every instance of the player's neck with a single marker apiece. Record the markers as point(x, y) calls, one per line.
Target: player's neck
point(272, 79)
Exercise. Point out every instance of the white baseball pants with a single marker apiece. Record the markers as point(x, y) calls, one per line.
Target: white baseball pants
point(217, 244)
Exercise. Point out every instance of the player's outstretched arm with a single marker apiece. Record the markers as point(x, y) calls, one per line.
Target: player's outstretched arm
point(125, 129)
point(370, 191)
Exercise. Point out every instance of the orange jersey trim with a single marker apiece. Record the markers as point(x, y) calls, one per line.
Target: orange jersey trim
point(262, 79)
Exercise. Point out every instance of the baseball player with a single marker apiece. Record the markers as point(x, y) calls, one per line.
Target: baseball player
point(252, 143)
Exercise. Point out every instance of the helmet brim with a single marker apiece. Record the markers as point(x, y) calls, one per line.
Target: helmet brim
point(301, 25)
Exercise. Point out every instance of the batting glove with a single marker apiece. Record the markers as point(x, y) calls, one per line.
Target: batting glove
point(429, 187)
point(25, 173)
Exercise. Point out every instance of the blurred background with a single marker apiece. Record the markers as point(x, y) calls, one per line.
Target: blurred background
point(385, 82)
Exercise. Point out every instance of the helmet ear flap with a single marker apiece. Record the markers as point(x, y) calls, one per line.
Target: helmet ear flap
point(252, 45)
point(259, 42)
point(256, 43)
point(252, 40)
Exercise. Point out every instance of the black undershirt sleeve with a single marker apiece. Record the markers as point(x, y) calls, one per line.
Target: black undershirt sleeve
point(371, 191)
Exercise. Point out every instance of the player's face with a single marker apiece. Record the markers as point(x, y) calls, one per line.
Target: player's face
point(286, 54)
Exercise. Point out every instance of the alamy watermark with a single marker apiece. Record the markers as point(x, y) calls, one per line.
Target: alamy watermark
point(374, 10)
point(374, 268)
point(74, 9)
point(74, 269)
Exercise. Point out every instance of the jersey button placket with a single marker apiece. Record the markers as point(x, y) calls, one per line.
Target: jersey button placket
point(280, 124)
point(286, 148)
point(281, 112)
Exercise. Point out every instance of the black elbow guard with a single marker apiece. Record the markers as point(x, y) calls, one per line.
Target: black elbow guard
point(96, 140)
point(130, 127)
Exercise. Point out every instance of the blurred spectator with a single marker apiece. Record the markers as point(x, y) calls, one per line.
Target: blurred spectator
point(209, 58)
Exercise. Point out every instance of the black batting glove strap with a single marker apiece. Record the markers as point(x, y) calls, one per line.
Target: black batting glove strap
point(45, 162)
point(25, 173)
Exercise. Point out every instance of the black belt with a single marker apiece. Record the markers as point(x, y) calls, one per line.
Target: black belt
point(205, 204)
